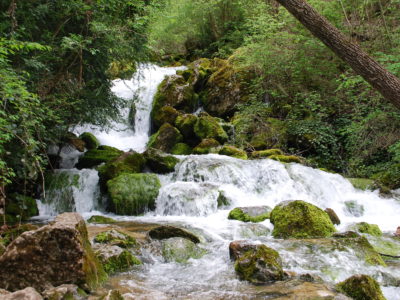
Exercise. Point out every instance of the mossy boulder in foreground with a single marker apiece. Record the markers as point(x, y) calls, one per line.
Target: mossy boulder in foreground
point(250, 214)
point(160, 162)
point(361, 287)
point(299, 219)
point(259, 265)
point(91, 142)
point(97, 156)
point(133, 194)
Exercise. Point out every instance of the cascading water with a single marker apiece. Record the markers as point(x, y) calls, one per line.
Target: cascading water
point(189, 197)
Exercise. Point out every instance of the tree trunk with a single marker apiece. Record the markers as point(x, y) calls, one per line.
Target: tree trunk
point(378, 77)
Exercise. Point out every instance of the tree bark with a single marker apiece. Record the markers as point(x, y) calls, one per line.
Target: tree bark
point(378, 77)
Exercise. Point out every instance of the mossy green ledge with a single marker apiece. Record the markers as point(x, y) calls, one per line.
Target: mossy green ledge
point(97, 156)
point(233, 152)
point(133, 194)
point(300, 219)
point(361, 287)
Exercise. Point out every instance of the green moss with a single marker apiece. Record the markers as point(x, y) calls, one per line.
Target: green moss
point(206, 146)
point(238, 214)
point(90, 140)
point(181, 149)
point(364, 227)
point(21, 207)
point(133, 194)
point(101, 220)
point(185, 123)
point(167, 114)
point(160, 162)
point(116, 238)
point(260, 265)
point(97, 156)
point(266, 153)
point(286, 158)
point(120, 263)
point(7, 236)
point(299, 219)
point(362, 183)
point(208, 127)
point(361, 287)
point(233, 151)
point(165, 138)
point(126, 163)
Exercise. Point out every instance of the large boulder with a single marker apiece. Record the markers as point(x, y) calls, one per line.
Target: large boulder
point(207, 127)
point(253, 214)
point(165, 138)
point(50, 256)
point(260, 264)
point(299, 219)
point(166, 232)
point(361, 287)
point(160, 162)
point(133, 194)
point(97, 156)
point(25, 294)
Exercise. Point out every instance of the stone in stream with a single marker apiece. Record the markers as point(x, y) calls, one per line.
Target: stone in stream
point(253, 214)
point(115, 259)
point(65, 292)
point(299, 219)
point(115, 238)
point(238, 248)
point(333, 216)
point(165, 138)
point(259, 264)
point(361, 287)
point(397, 233)
point(208, 127)
point(28, 293)
point(52, 255)
point(180, 250)
point(159, 161)
point(166, 232)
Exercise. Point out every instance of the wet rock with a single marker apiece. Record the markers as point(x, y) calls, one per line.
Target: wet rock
point(116, 238)
point(364, 227)
point(259, 265)
point(129, 162)
point(253, 214)
point(74, 141)
point(397, 233)
point(266, 153)
point(333, 216)
point(180, 250)
point(346, 234)
point(167, 114)
point(115, 259)
point(385, 245)
point(185, 123)
point(361, 287)
point(238, 248)
point(165, 138)
point(97, 156)
point(299, 219)
point(353, 208)
point(181, 149)
point(25, 294)
point(65, 292)
point(133, 194)
point(91, 142)
point(206, 146)
point(159, 161)
point(166, 232)
point(51, 255)
point(208, 127)
point(233, 152)
point(101, 220)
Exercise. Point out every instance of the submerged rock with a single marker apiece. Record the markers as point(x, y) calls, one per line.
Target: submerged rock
point(65, 292)
point(159, 161)
point(25, 294)
point(91, 142)
point(233, 151)
point(101, 220)
point(116, 238)
point(361, 287)
point(97, 156)
point(180, 250)
point(299, 219)
point(115, 259)
point(166, 232)
point(133, 194)
point(333, 216)
point(253, 214)
point(260, 264)
point(165, 138)
point(50, 256)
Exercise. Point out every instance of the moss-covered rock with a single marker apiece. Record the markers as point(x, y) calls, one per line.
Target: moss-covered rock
point(115, 259)
point(253, 214)
point(266, 153)
point(167, 114)
point(133, 194)
point(165, 138)
point(185, 123)
point(286, 158)
point(166, 232)
point(299, 219)
point(180, 250)
point(361, 287)
point(90, 140)
point(364, 227)
point(159, 162)
point(233, 151)
point(115, 238)
point(259, 265)
point(97, 156)
point(181, 149)
point(363, 183)
point(207, 127)
point(101, 220)
point(129, 162)
point(20, 207)
point(71, 139)
point(206, 146)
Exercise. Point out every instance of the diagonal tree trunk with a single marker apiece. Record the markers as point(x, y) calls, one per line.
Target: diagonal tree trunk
point(378, 77)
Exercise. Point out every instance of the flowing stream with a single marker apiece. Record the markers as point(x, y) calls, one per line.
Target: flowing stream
point(188, 198)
